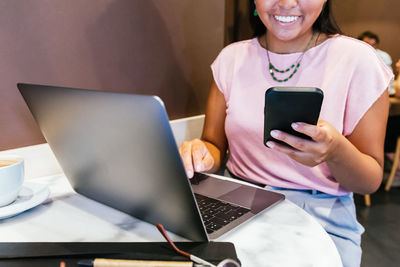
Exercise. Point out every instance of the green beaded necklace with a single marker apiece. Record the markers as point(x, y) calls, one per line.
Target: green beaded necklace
point(272, 70)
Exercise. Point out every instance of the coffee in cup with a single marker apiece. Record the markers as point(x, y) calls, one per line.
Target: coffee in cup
point(11, 178)
point(7, 162)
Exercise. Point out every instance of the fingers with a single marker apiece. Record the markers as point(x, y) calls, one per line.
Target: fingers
point(312, 131)
point(308, 152)
point(208, 161)
point(195, 157)
point(316, 132)
point(294, 141)
point(202, 159)
point(299, 156)
point(299, 150)
point(199, 150)
point(185, 150)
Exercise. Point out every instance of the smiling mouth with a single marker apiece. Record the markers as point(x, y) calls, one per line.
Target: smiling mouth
point(286, 19)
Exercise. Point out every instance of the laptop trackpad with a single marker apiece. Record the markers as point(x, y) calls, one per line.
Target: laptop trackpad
point(250, 197)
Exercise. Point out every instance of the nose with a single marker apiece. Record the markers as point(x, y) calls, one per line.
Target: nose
point(288, 3)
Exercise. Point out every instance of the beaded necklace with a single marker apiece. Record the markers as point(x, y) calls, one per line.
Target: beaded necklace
point(293, 67)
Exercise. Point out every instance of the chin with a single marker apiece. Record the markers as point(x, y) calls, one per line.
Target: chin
point(287, 36)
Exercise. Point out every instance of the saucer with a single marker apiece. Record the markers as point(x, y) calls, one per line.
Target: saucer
point(31, 195)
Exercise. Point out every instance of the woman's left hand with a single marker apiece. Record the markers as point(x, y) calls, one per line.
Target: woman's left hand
point(321, 148)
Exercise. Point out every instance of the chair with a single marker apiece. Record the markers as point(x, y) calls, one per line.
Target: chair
point(367, 200)
point(394, 165)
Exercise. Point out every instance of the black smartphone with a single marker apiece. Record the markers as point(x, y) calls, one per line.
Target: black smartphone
point(285, 105)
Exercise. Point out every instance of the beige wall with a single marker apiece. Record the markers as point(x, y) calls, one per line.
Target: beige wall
point(161, 47)
point(381, 17)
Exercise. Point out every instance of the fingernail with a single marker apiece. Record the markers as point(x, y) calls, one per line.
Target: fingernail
point(275, 133)
point(295, 125)
point(270, 144)
point(189, 173)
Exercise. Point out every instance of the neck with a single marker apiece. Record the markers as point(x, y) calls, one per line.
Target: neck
point(286, 47)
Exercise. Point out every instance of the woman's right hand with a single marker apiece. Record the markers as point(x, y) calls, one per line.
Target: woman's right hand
point(196, 157)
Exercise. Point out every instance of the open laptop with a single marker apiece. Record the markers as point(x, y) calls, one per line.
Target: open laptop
point(118, 149)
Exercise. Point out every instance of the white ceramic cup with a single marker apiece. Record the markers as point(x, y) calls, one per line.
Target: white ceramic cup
point(11, 178)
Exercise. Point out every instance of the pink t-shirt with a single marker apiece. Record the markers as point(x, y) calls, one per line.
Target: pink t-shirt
point(349, 73)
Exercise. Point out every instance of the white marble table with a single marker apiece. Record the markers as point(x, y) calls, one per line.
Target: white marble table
point(284, 235)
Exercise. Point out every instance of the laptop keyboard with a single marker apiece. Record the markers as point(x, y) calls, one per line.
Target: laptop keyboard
point(217, 213)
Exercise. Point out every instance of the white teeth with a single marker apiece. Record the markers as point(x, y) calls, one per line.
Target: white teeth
point(286, 18)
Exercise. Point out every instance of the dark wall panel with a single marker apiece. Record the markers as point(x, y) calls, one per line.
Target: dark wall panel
point(160, 47)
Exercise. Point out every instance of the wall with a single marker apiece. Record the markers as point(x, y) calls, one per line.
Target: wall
point(237, 25)
point(381, 17)
point(161, 47)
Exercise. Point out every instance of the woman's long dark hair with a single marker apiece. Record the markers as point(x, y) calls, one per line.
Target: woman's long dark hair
point(325, 23)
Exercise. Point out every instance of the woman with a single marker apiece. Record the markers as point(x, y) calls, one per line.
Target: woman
point(345, 154)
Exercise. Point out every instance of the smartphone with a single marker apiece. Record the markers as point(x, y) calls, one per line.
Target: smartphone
point(285, 105)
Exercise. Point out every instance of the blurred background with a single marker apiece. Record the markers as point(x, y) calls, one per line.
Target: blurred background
point(158, 47)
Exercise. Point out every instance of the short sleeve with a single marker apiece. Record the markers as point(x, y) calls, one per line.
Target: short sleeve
point(370, 77)
point(222, 69)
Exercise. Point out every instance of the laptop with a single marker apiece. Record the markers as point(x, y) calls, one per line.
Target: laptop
point(119, 150)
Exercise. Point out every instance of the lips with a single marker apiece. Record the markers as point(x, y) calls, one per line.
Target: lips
point(286, 19)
